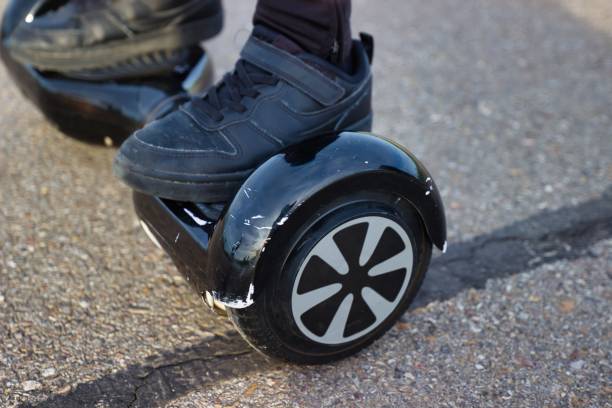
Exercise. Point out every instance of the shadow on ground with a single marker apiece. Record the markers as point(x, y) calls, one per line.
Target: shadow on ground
point(165, 377)
point(546, 237)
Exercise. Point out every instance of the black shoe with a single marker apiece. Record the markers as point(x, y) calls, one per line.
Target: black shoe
point(277, 96)
point(97, 33)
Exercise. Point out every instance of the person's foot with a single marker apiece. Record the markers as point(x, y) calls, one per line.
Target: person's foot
point(277, 95)
point(84, 34)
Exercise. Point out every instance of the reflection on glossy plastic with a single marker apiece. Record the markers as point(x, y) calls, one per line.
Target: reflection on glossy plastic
point(219, 251)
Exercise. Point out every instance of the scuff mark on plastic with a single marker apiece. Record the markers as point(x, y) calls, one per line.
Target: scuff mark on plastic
point(236, 246)
point(197, 219)
point(237, 303)
point(429, 183)
point(150, 234)
point(177, 237)
point(245, 193)
point(263, 249)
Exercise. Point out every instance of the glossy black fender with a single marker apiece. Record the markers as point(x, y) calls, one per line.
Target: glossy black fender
point(285, 190)
point(99, 111)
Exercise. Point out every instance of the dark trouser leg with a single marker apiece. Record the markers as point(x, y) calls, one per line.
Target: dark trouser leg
point(321, 27)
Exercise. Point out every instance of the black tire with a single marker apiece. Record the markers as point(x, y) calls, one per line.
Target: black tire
point(270, 325)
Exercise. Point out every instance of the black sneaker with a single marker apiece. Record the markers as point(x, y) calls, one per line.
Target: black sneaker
point(85, 34)
point(276, 96)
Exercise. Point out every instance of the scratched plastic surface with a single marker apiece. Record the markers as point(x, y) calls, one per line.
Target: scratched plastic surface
point(222, 252)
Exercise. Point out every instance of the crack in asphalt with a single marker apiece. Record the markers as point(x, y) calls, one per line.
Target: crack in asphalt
point(578, 231)
point(216, 356)
point(446, 260)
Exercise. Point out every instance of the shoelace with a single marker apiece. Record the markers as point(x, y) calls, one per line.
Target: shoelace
point(230, 92)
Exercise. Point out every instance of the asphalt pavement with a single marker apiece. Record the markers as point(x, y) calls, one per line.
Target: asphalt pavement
point(508, 103)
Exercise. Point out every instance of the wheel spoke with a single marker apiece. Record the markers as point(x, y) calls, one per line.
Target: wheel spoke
point(399, 261)
point(316, 274)
point(387, 285)
point(360, 317)
point(335, 330)
point(329, 252)
point(380, 306)
point(304, 302)
point(375, 231)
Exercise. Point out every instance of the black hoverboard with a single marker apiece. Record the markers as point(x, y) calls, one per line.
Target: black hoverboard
point(320, 251)
point(105, 105)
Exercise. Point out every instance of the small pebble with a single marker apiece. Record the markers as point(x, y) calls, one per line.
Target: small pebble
point(484, 108)
point(64, 390)
point(474, 328)
point(31, 385)
point(48, 372)
point(577, 365)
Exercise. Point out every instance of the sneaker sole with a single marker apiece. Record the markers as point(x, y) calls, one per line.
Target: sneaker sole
point(111, 53)
point(212, 188)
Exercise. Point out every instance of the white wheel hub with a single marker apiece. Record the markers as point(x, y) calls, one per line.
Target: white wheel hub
point(352, 280)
